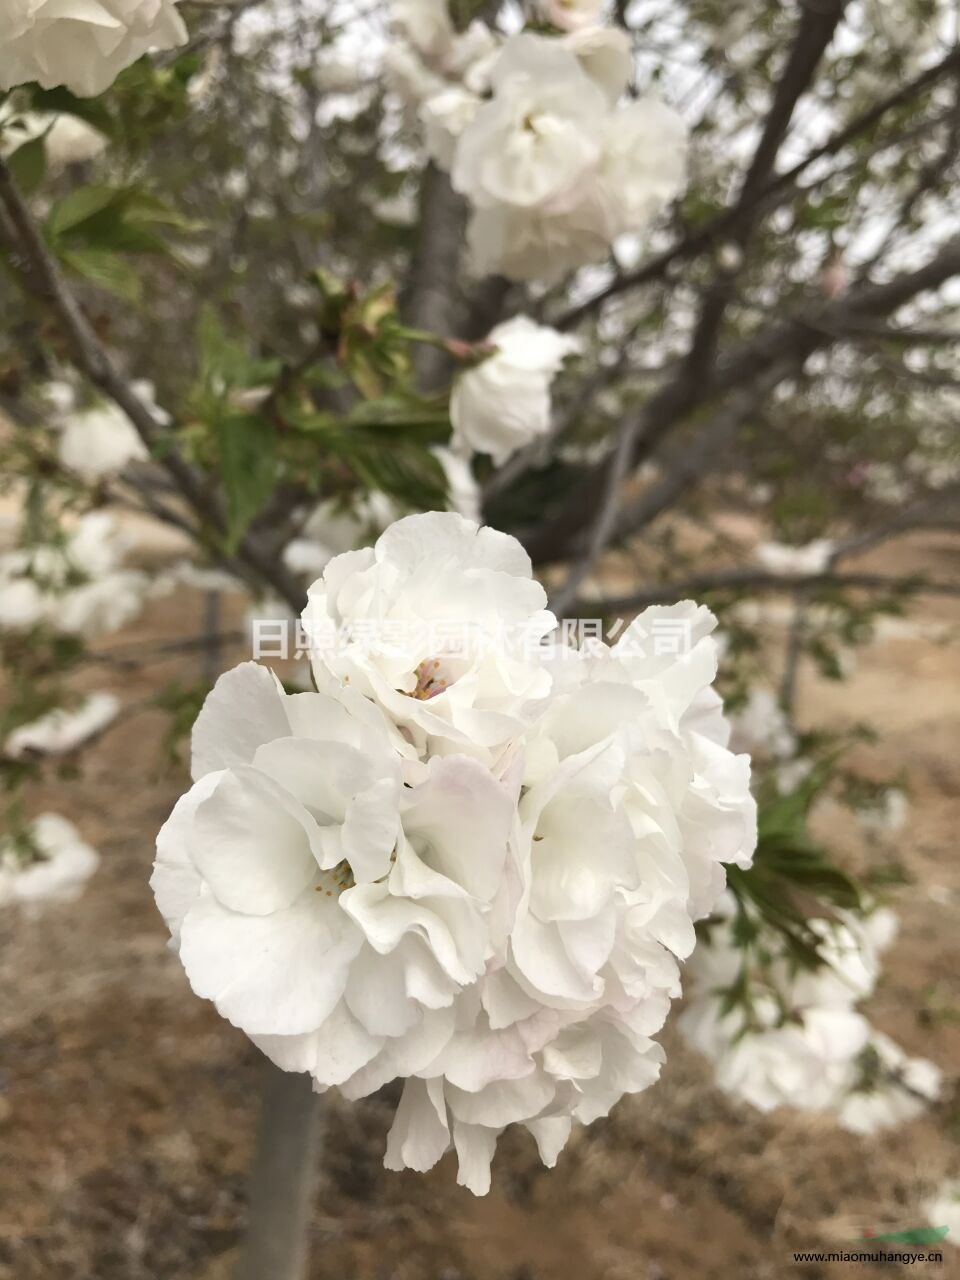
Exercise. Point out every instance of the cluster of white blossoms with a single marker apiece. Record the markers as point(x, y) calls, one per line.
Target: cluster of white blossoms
point(77, 586)
point(62, 730)
point(468, 861)
point(800, 1041)
point(796, 562)
point(50, 863)
point(83, 45)
point(533, 132)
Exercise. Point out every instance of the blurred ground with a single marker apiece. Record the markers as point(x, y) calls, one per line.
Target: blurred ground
point(127, 1106)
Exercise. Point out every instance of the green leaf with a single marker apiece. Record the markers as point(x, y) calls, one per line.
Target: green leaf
point(62, 102)
point(79, 206)
point(28, 164)
point(247, 449)
point(106, 269)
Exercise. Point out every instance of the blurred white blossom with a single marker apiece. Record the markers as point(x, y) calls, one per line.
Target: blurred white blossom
point(52, 865)
point(812, 558)
point(83, 45)
point(76, 586)
point(943, 1210)
point(503, 403)
point(67, 139)
point(61, 731)
point(800, 1041)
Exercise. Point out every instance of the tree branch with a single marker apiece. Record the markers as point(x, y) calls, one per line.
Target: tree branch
point(431, 300)
point(773, 193)
point(93, 359)
point(283, 1178)
point(711, 440)
point(793, 341)
point(757, 581)
point(818, 22)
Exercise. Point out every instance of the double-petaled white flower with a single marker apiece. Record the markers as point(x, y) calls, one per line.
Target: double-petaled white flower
point(466, 861)
point(438, 624)
point(83, 45)
point(555, 170)
point(329, 910)
point(503, 403)
point(537, 137)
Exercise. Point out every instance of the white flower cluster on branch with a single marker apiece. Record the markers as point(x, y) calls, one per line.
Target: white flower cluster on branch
point(796, 1038)
point(51, 863)
point(83, 45)
point(77, 586)
point(533, 132)
point(470, 864)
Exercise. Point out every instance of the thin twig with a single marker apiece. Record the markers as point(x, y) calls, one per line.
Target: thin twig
point(776, 191)
point(95, 362)
point(761, 581)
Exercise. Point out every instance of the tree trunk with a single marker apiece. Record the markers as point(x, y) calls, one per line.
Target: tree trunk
point(282, 1180)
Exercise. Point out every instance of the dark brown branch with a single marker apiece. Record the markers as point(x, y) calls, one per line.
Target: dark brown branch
point(611, 523)
point(793, 340)
point(758, 581)
point(95, 362)
point(776, 191)
point(431, 300)
point(817, 24)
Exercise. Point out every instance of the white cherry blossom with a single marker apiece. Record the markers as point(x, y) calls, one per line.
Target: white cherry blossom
point(503, 403)
point(77, 587)
point(434, 623)
point(537, 138)
point(467, 863)
point(84, 45)
point(791, 562)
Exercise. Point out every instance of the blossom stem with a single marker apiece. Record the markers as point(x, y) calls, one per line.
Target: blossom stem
point(282, 1179)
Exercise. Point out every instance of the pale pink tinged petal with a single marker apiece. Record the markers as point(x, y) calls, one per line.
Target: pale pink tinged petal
point(575, 1056)
point(253, 843)
point(270, 975)
point(331, 1054)
point(502, 1102)
point(551, 1135)
point(459, 820)
point(474, 1060)
point(371, 829)
point(475, 1150)
point(376, 995)
point(504, 1001)
point(418, 1136)
point(244, 709)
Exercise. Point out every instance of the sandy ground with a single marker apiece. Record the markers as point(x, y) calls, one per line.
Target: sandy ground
point(127, 1106)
